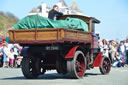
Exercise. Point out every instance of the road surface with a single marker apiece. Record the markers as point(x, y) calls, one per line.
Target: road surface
point(14, 76)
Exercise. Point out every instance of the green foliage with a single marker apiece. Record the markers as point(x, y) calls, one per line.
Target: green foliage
point(7, 21)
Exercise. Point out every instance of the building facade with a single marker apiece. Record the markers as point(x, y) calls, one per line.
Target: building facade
point(43, 9)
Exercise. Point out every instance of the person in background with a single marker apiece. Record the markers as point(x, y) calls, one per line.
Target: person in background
point(1, 44)
point(117, 43)
point(113, 49)
point(54, 12)
point(11, 57)
point(6, 52)
point(117, 61)
point(16, 52)
point(100, 46)
point(1, 51)
point(122, 51)
point(105, 47)
point(126, 44)
point(1, 56)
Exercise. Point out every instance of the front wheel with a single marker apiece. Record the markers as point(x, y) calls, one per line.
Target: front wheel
point(105, 65)
point(77, 66)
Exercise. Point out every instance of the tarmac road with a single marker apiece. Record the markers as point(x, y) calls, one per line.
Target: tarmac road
point(14, 76)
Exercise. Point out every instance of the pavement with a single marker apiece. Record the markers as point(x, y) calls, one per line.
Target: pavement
point(14, 76)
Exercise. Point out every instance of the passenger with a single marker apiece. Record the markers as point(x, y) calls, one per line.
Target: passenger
point(54, 12)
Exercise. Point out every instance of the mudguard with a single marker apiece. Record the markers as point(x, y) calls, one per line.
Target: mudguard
point(98, 60)
point(71, 52)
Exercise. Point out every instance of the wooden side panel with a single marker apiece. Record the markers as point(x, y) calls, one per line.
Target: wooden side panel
point(83, 36)
point(47, 35)
point(77, 35)
point(24, 35)
point(34, 34)
point(62, 34)
point(50, 34)
point(71, 35)
point(11, 35)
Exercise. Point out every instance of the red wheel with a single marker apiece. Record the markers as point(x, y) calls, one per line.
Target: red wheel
point(77, 66)
point(105, 65)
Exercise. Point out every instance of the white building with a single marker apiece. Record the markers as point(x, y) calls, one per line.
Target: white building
point(43, 9)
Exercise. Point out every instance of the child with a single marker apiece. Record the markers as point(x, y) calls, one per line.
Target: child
point(11, 57)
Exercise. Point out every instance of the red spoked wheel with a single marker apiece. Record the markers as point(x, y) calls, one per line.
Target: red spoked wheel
point(77, 66)
point(105, 65)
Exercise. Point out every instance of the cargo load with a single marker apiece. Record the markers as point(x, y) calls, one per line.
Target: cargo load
point(39, 22)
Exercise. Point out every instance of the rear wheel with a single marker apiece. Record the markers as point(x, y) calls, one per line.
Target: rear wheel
point(31, 67)
point(60, 65)
point(77, 66)
point(105, 65)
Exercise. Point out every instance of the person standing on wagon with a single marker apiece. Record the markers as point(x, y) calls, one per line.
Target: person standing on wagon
point(54, 12)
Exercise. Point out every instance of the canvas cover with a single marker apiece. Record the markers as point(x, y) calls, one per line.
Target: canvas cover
point(39, 22)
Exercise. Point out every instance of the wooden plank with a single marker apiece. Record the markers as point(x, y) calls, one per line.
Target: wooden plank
point(71, 34)
point(59, 34)
point(47, 35)
point(90, 25)
point(28, 35)
point(83, 37)
point(11, 35)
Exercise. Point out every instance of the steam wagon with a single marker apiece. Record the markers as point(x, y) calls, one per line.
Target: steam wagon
point(64, 50)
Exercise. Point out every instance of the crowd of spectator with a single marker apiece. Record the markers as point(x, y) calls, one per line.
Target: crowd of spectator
point(116, 50)
point(9, 54)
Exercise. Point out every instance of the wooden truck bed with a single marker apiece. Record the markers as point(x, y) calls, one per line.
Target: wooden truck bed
point(49, 35)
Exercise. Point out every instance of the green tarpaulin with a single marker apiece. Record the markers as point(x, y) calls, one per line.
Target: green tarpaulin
point(39, 22)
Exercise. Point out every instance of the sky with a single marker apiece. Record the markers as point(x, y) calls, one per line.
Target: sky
point(113, 14)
